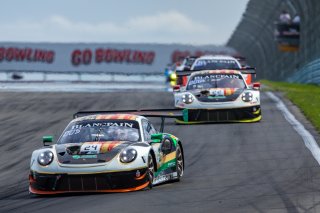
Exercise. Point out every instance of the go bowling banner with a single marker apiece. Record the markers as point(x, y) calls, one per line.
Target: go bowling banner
point(98, 57)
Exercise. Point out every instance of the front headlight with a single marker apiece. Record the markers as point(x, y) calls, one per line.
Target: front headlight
point(187, 98)
point(128, 155)
point(247, 97)
point(45, 158)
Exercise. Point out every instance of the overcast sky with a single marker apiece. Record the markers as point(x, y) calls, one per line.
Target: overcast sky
point(147, 21)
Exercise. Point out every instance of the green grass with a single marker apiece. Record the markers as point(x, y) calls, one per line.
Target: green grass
point(305, 96)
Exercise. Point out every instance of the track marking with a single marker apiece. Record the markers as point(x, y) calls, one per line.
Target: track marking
point(81, 87)
point(308, 139)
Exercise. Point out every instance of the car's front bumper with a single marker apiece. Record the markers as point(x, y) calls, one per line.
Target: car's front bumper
point(245, 114)
point(124, 181)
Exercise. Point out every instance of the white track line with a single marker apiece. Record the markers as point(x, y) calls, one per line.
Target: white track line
point(308, 139)
point(81, 87)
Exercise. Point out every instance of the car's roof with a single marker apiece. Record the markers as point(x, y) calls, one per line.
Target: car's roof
point(217, 57)
point(117, 116)
point(215, 72)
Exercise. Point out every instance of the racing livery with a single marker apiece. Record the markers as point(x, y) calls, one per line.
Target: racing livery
point(185, 66)
point(101, 152)
point(212, 62)
point(218, 96)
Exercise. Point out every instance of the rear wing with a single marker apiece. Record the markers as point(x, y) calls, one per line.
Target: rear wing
point(165, 113)
point(244, 70)
point(155, 113)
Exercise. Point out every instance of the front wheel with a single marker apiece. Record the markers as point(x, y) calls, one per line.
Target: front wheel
point(179, 162)
point(150, 170)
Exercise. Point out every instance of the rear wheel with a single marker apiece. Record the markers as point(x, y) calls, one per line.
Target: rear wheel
point(179, 162)
point(150, 170)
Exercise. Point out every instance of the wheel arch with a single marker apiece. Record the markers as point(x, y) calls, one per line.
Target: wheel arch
point(154, 159)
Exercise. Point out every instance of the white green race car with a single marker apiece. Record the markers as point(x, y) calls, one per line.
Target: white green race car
point(107, 152)
point(218, 96)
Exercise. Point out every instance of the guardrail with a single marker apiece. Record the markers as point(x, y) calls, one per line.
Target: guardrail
point(66, 76)
point(310, 73)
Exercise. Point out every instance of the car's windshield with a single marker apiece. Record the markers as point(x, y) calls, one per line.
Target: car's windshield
point(207, 81)
point(100, 130)
point(215, 64)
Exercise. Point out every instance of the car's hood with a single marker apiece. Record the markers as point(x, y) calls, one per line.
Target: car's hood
point(89, 152)
point(217, 94)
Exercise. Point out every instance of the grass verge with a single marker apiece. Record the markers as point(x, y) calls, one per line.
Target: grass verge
point(305, 96)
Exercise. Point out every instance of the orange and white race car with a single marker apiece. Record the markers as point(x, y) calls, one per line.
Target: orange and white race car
point(210, 62)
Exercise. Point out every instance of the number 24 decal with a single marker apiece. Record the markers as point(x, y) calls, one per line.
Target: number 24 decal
point(91, 147)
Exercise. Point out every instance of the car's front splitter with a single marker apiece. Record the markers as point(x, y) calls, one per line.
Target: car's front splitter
point(198, 116)
point(101, 182)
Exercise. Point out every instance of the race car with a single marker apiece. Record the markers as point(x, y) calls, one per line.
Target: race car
point(107, 152)
point(212, 62)
point(185, 66)
point(218, 96)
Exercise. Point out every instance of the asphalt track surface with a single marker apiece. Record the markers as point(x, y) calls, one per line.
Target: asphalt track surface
point(257, 167)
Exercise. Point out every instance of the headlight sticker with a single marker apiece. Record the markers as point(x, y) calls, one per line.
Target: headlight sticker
point(247, 97)
point(128, 155)
point(45, 158)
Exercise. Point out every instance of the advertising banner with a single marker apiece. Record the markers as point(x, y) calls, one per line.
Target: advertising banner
point(98, 57)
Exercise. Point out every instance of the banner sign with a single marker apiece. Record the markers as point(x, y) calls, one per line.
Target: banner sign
point(98, 57)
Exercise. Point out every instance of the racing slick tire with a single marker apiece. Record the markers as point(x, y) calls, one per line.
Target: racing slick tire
point(179, 162)
point(151, 170)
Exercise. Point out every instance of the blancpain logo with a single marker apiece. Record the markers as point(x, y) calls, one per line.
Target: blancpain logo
point(124, 124)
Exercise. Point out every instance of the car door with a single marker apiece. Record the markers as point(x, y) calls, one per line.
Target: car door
point(161, 149)
point(148, 130)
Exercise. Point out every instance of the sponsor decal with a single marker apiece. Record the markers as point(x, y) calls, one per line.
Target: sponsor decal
point(71, 132)
point(217, 92)
point(123, 124)
point(138, 173)
point(175, 174)
point(90, 148)
point(76, 157)
point(172, 164)
point(211, 78)
point(178, 55)
point(162, 178)
point(214, 61)
point(217, 76)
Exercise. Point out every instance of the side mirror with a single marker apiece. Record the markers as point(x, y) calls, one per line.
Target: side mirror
point(47, 139)
point(176, 88)
point(156, 138)
point(256, 86)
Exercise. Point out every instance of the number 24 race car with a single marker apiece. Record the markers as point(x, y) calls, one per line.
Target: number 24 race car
point(107, 152)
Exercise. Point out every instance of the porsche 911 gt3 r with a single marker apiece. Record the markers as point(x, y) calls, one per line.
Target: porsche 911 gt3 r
point(106, 153)
point(212, 62)
point(215, 62)
point(185, 65)
point(218, 96)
